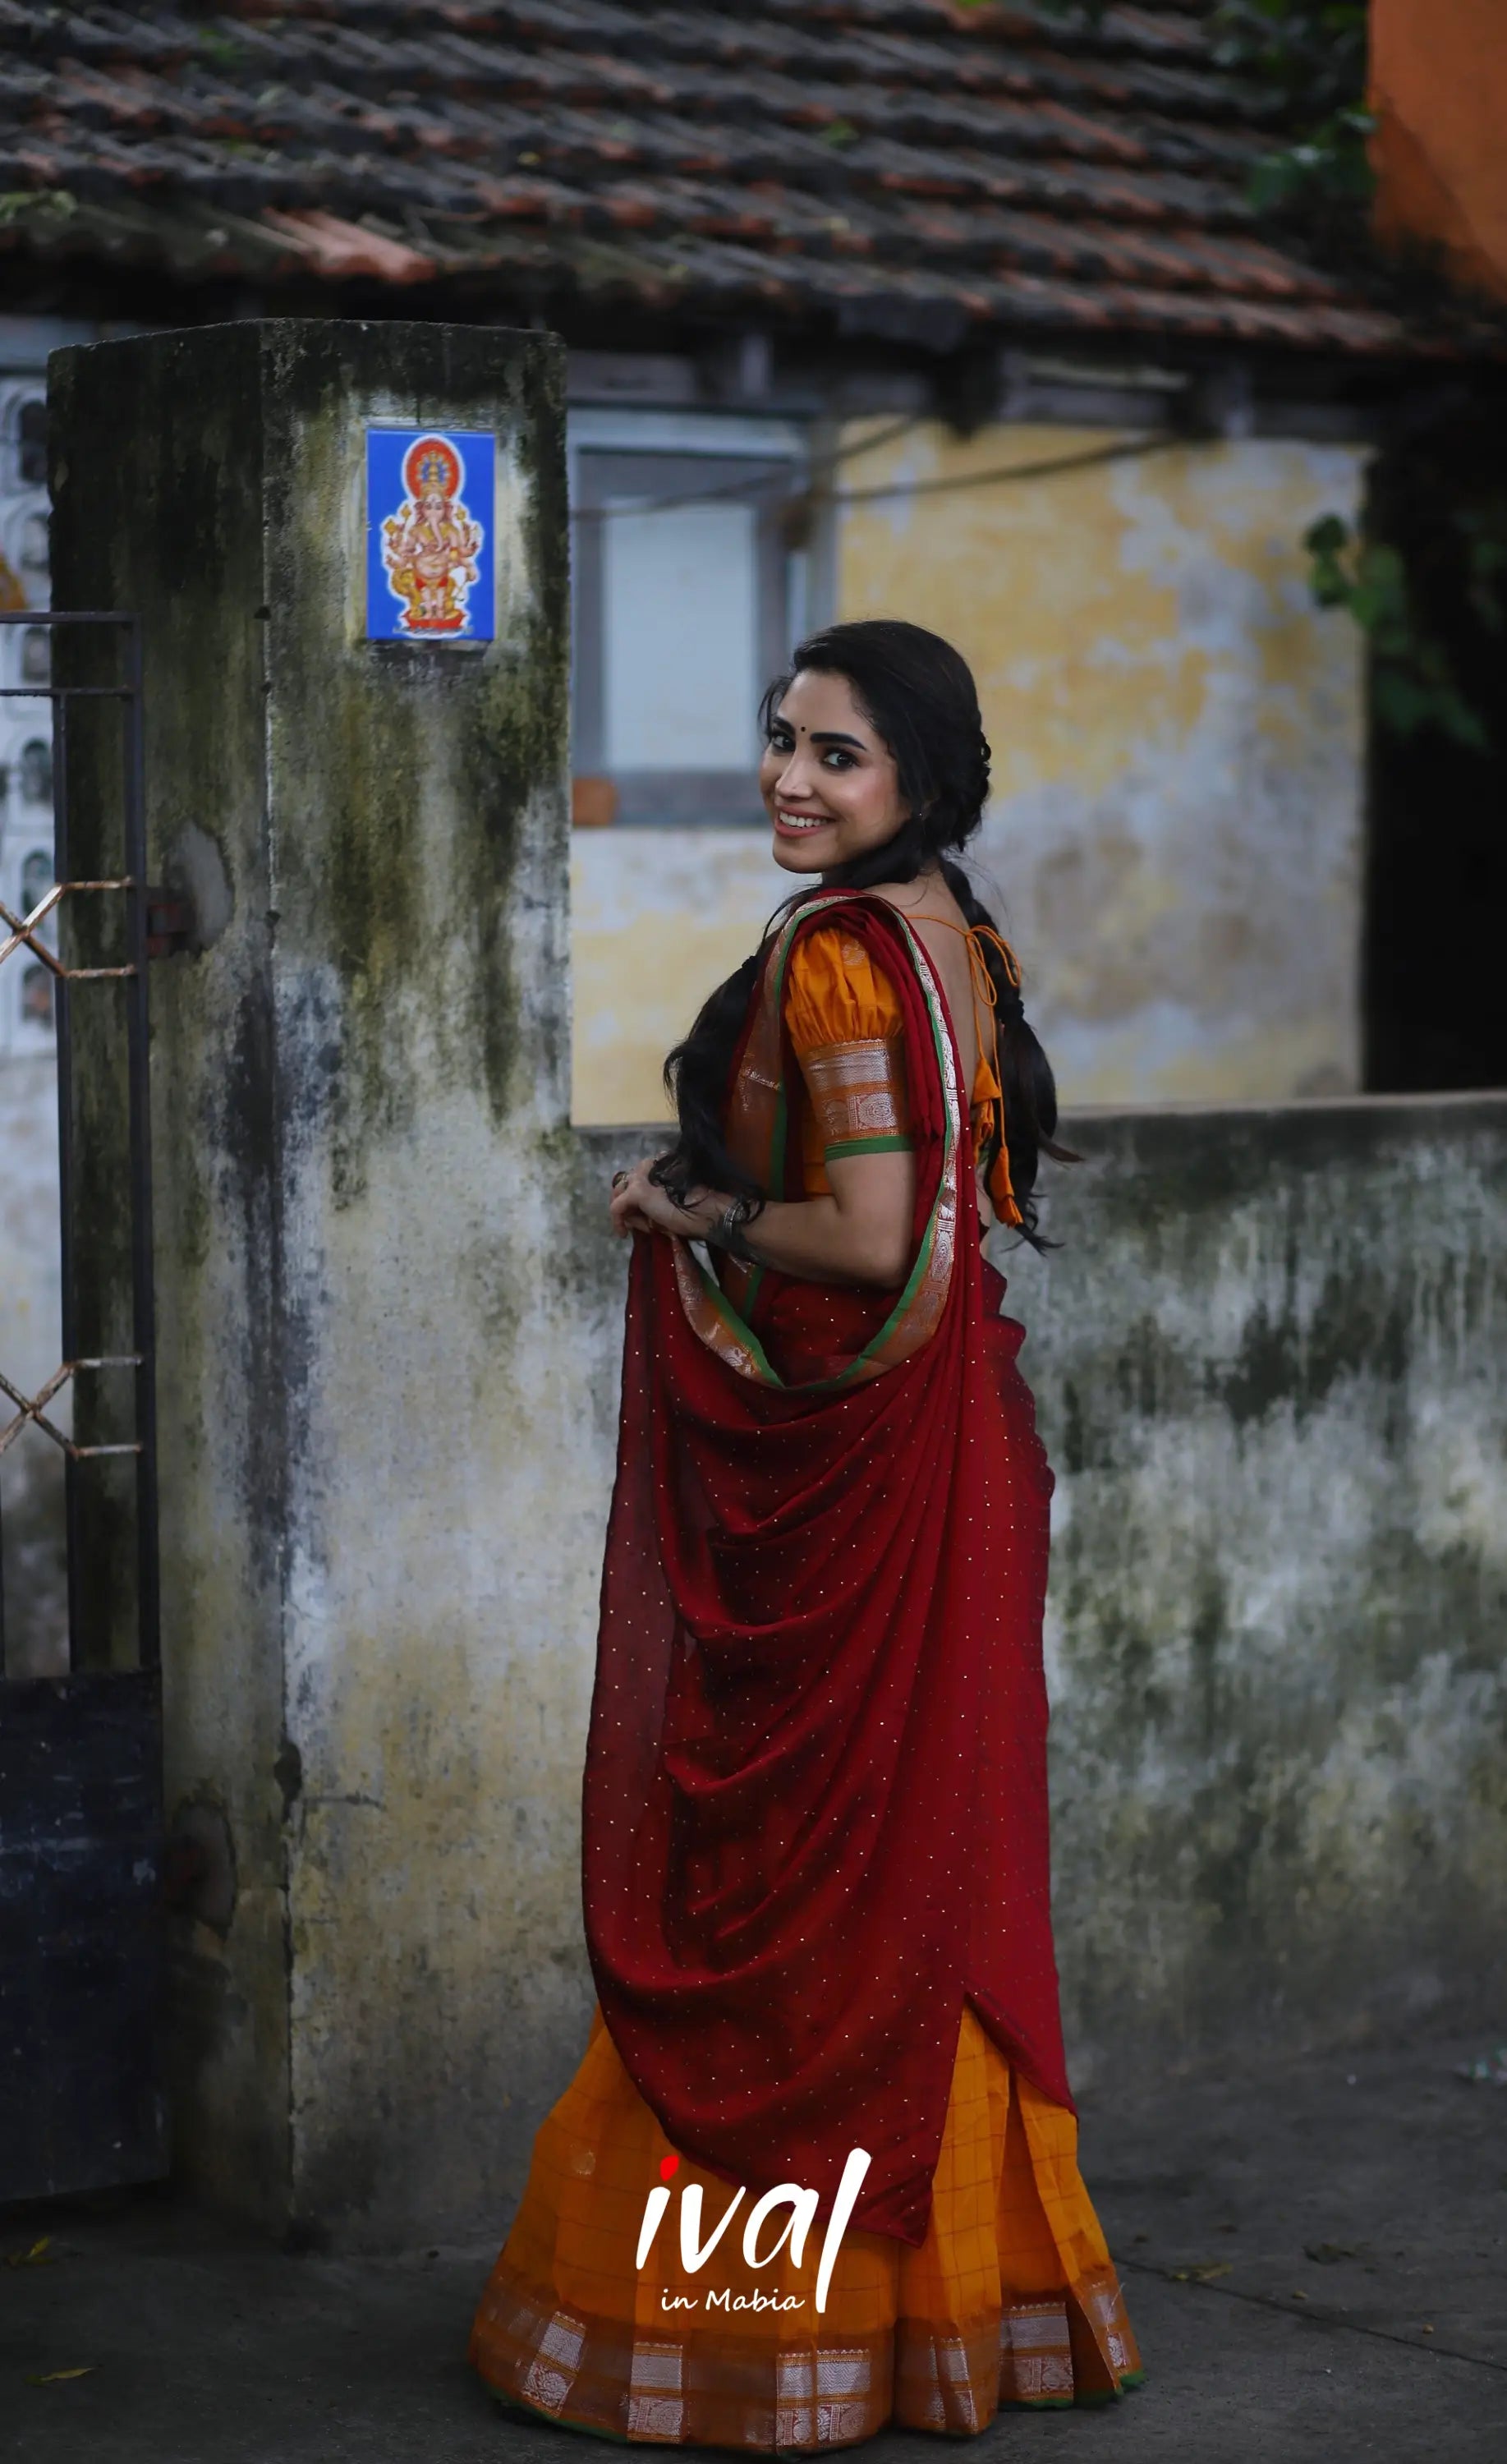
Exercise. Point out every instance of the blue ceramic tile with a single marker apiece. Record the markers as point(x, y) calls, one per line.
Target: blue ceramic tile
point(429, 569)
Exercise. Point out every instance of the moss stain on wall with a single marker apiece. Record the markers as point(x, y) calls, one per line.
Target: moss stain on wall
point(369, 1402)
point(1278, 1600)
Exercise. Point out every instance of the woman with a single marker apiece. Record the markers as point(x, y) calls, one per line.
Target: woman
point(814, 1809)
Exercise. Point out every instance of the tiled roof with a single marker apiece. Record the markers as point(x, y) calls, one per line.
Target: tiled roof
point(892, 168)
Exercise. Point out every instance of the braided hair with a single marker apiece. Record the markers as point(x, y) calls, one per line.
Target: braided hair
point(920, 696)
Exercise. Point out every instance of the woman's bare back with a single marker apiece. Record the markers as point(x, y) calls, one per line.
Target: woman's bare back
point(929, 903)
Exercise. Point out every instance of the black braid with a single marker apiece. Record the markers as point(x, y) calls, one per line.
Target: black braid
point(1025, 1073)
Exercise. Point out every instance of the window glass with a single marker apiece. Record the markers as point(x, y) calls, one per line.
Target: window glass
point(36, 771)
point(680, 622)
point(36, 996)
point(683, 588)
point(36, 879)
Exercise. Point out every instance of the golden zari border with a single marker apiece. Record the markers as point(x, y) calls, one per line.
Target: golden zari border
point(1100, 2307)
point(746, 2390)
point(858, 1093)
point(711, 1316)
point(757, 1128)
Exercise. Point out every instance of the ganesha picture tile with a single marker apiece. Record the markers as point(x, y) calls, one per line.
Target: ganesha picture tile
point(429, 572)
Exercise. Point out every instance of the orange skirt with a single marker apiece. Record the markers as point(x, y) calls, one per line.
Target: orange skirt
point(1010, 2299)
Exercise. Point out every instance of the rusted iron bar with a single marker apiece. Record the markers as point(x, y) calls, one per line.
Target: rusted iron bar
point(32, 1406)
point(59, 693)
point(24, 930)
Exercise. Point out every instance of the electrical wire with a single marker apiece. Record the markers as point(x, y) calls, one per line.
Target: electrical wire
point(1128, 449)
point(1122, 450)
point(764, 484)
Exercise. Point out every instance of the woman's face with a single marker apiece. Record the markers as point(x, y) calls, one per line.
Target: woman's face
point(828, 778)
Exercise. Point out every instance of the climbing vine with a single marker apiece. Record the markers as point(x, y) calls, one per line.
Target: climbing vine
point(1415, 682)
point(1310, 56)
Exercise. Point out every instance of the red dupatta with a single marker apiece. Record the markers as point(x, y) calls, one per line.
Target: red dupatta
point(815, 1804)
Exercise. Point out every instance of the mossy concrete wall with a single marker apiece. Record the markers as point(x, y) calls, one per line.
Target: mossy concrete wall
point(376, 1355)
point(1269, 1361)
point(1272, 1366)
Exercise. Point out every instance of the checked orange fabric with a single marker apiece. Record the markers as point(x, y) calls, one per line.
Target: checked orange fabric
point(1010, 2299)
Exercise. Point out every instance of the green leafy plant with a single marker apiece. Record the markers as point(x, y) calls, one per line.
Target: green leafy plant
point(23, 205)
point(1310, 56)
point(1413, 682)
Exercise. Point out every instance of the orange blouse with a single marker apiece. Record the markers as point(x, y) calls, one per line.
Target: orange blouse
point(843, 1017)
point(844, 1023)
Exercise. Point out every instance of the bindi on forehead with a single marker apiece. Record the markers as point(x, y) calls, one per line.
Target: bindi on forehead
point(822, 735)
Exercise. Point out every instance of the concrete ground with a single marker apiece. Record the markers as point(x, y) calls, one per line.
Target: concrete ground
point(1315, 2256)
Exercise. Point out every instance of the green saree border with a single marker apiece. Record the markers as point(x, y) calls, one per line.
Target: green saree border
point(893, 1144)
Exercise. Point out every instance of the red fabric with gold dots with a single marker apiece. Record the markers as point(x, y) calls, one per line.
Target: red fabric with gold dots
point(814, 1802)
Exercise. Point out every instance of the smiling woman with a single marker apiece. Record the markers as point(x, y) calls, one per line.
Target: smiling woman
point(814, 1837)
point(828, 778)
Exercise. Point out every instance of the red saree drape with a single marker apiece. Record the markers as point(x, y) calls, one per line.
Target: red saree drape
point(814, 1802)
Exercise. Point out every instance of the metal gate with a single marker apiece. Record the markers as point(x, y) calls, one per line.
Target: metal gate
point(81, 2103)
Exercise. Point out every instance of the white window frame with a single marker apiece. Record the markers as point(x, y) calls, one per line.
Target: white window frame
point(691, 798)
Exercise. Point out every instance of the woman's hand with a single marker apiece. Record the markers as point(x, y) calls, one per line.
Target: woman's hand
point(861, 1234)
point(640, 1205)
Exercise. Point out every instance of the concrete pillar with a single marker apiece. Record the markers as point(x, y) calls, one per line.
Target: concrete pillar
point(378, 1584)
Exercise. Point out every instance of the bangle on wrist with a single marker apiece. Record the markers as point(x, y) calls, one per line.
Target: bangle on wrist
point(726, 1233)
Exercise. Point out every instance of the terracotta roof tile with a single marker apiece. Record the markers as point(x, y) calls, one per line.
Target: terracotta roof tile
point(896, 167)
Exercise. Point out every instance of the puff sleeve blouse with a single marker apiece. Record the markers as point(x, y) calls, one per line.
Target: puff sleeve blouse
point(842, 1014)
point(843, 1018)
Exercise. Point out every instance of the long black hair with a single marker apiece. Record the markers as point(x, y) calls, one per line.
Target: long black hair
point(921, 698)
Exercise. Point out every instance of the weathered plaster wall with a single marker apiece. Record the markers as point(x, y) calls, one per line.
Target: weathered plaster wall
point(377, 1360)
point(1174, 836)
point(1269, 1361)
point(1272, 1364)
point(658, 916)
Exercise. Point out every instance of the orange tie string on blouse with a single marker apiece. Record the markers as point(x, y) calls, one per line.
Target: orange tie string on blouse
point(991, 1109)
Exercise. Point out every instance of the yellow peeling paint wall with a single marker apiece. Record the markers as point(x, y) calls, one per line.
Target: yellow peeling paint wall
point(1175, 830)
point(658, 917)
point(1174, 841)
